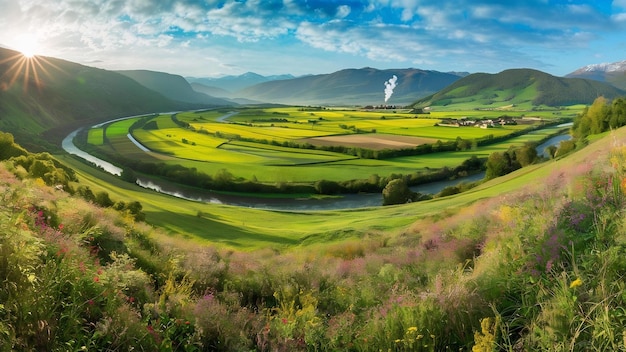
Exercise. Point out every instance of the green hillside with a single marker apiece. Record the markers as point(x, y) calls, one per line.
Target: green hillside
point(48, 96)
point(517, 88)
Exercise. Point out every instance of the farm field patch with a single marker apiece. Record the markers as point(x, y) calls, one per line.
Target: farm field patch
point(95, 136)
point(371, 141)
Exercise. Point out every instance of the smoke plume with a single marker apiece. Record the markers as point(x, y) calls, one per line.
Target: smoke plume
point(390, 85)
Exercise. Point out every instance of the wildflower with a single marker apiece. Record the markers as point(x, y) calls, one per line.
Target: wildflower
point(90, 302)
point(284, 320)
point(576, 283)
point(96, 279)
point(412, 329)
point(398, 341)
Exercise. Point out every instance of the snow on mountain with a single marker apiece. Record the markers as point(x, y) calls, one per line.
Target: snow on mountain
point(619, 66)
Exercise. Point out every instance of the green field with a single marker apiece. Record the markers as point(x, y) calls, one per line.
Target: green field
point(262, 144)
point(95, 136)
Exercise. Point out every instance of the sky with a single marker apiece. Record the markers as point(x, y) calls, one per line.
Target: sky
point(215, 38)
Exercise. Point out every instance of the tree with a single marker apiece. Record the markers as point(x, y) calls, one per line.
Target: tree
point(128, 175)
point(8, 148)
point(327, 187)
point(552, 151)
point(565, 147)
point(499, 164)
point(397, 192)
point(526, 155)
point(594, 119)
point(102, 199)
point(223, 178)
point(618, 113)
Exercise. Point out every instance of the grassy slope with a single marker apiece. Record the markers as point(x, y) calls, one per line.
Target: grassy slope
point(535, 262)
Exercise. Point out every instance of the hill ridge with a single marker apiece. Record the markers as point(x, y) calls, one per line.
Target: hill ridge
point(518, 87)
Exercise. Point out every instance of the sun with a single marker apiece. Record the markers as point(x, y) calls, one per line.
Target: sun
point(25, 67)
point(28, 45)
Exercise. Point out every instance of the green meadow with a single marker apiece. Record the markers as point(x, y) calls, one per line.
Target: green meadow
point(274, 145)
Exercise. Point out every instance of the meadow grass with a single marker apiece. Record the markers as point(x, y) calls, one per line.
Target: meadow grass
point(119, 128)
point(95, 136)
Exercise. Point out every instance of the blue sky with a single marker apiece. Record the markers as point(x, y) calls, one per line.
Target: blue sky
point(214, 38)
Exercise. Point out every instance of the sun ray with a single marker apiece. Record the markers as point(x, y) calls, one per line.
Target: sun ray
point(31, 69)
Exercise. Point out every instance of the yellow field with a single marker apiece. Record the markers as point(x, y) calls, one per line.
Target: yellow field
point(276, 133)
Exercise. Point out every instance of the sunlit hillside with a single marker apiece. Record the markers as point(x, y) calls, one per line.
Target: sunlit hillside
point(44, 98)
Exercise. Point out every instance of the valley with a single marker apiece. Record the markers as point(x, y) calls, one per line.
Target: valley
point(93, 258)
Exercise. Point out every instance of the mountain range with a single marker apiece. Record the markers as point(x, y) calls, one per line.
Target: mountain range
point(363, 86)
point(233, 83)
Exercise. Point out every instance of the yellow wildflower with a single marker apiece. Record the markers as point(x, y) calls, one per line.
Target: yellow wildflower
point(412, 329)
point(576, 283)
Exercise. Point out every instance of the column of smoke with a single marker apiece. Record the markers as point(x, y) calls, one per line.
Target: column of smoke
point(390, 85)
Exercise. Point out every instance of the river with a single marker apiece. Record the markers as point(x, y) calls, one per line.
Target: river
point(347, 201)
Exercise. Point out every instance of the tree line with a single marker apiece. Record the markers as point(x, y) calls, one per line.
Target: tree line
point(603, 115)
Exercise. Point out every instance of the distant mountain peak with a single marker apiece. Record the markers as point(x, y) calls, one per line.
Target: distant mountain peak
point(619, 66)
point(251, 74)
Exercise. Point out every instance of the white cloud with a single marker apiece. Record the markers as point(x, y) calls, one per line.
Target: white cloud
point(619, 18)
point(343, 11)
point(621, 4)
